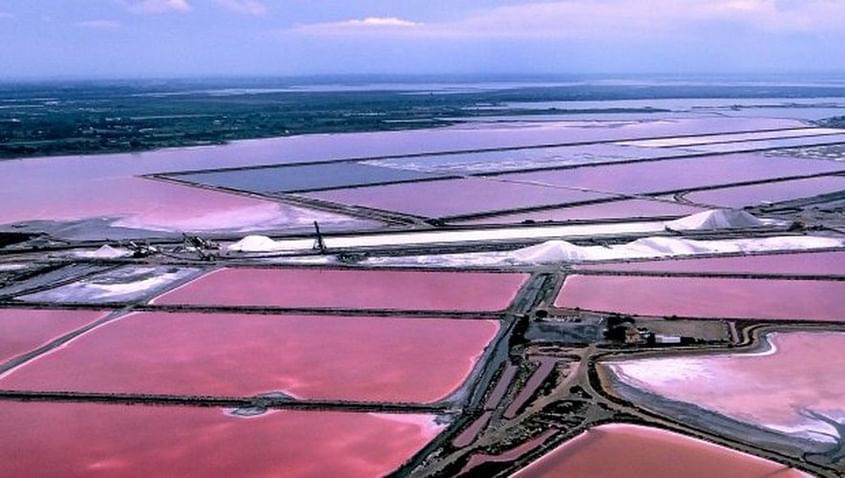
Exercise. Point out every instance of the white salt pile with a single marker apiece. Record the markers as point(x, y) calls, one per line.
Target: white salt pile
point(561, 252)
point(254, 244)
point(552, 251)
point(716, 219)
point(104, 252)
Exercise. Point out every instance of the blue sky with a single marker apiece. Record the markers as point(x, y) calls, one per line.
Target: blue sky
point(129, 38)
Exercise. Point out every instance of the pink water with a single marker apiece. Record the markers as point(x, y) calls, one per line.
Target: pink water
point(24, 330)
point(454, 197)
point(707, 298)
point(318, 147)
point(471, 432)
point(814, 263)
point(310, 357)
point(149, 204)
point(353, 289)
point(85, 440)
point(768, 388)
point(626, 208)
point(77, 187)
point(738, 197)
point(632, 451)
point(506, 456)
point(545, 368)
point(671, 175)
point(502, 386)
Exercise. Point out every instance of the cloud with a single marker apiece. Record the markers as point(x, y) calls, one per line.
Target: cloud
point(99, 24)
point(6, 15)
point(158, 6)
point(599, 19)
point(246, 7)
point(379, 22)
point(364, 25)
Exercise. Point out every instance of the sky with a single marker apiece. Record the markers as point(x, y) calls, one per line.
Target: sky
point(189, 38)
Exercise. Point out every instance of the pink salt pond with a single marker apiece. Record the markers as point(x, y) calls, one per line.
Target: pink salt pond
point(809, 263)
point(83, 440)
point(321, 147)
point(772, 388)
point(624, 209)
point(766, 299)
point(309, 357)
point(23, 330)
point(632, 451)
point(352, 289)
point(149, 204)
point(677, 174)
point(78, 187)
point(455, 197)
point(742, 196)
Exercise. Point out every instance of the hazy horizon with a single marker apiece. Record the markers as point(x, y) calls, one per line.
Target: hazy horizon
point(114, 39)
point(551, 79)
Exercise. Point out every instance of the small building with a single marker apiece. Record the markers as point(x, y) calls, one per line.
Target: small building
point(667, 339)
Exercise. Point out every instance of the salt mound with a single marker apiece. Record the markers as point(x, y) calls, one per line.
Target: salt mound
point(785, 243)
point(550, 252)
point(664, 246)
point(254, 244)
point(104, 252)
point(715, 219)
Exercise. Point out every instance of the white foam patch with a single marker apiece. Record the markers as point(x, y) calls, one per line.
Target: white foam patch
point(113, 287)
point(427, 424)
point(660, 372)
point(108, 291)
point(810, 429)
